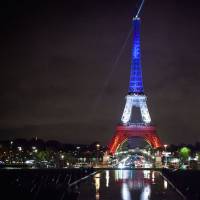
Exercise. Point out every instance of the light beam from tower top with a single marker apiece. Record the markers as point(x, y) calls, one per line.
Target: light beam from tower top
point(139, 9)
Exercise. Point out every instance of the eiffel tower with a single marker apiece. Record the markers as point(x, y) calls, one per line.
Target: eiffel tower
point(135, 99)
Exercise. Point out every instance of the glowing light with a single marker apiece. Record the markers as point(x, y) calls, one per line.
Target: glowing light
point(146, 193)
point(184, 152)
point(122, 162)
point(127, 110)
point(97, 185)
point(125, 192)
point(123, 175)
point(165, 184)
point(107, 178)
point(153, 177)
point(174, 160)
point(121, 165)
point(19, 148)
point(138, 101)
point(136, 84)
point(97, 145)
point(29, 161)
point(148, 165)
point(146, 174)
point(136, 90)
point(118, 175)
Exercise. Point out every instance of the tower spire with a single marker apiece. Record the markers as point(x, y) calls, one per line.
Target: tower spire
point(136, 83)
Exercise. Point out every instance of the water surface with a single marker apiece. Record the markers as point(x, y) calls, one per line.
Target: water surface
point(127, 185)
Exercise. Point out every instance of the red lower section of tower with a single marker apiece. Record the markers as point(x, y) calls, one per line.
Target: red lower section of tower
point(123, 132)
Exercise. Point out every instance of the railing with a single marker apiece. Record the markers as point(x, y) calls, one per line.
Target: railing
point(135, 124)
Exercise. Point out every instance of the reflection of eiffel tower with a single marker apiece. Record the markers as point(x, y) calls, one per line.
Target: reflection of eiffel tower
point(138, 179)
point(134, 181)
point(137, 100)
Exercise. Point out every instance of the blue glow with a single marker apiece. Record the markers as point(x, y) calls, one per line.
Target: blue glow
point(136, 84)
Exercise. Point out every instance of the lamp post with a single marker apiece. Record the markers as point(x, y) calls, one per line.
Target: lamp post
point(97, 145)
point(11, 151)
point(97, 153)
point(20, 154)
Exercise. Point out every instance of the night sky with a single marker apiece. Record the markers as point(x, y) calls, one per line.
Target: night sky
point(64, 72)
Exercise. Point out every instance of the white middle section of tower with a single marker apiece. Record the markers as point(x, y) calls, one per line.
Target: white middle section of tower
point(139, 101)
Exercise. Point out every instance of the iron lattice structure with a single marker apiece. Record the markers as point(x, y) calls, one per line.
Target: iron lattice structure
point(136, 83)
point(135, 98)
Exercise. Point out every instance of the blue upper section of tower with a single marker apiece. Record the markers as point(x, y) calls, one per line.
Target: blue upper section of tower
point(136, 83)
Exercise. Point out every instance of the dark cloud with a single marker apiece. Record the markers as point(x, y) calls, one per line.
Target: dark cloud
point(59, 78)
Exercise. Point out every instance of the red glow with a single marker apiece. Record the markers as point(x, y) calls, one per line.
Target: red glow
point(124, 132)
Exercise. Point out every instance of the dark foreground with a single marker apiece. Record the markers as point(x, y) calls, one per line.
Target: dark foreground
point(187, 181)
point(126, 184)
point(40, 184)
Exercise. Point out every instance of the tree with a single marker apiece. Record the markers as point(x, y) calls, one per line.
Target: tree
point(43, 156)
point(184, 153)
point(68, 157)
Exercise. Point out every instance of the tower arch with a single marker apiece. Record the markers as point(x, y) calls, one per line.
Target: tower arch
point(122, 133)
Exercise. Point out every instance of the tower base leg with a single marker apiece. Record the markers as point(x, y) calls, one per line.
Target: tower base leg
point(123, 132)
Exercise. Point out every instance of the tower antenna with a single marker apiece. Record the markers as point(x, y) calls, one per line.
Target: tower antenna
point(140, 8)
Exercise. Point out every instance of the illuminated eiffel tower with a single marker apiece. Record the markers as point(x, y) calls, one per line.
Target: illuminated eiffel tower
point(136, 95)
point(135, 98)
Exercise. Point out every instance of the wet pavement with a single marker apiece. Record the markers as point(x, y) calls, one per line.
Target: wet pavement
point(127, 185)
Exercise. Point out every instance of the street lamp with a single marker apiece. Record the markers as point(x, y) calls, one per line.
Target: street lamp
point(11, 153)
point(98, 145)
point(97, 153)
point(20, 154)
point(78, 148)
point(78, 153)
point(35, 150)
point(19, 148)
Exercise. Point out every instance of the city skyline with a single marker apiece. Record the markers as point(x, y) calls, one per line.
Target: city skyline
point(64, 71)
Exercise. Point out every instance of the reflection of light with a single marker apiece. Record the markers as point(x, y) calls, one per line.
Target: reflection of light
point(153, 176)
point(97, 196)
point(146, 174)
point(125, 192)
point(116, 175)
point(97, 184)
point(123, 174)
point(165, 184)
point(107, 178)
point(127, 174)
point(146, 193)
